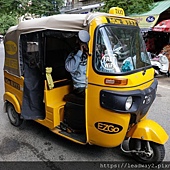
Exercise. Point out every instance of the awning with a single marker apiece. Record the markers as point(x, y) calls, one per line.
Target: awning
point(163, 26)
point(149, 19)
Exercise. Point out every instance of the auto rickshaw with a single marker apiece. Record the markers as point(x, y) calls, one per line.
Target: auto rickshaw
point(120, 82)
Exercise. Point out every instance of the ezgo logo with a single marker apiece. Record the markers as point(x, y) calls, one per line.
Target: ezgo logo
point(107, 127)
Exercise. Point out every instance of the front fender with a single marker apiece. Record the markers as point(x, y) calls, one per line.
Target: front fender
point(148, 130)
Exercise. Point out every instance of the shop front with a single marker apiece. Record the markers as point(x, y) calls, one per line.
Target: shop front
point(155, 28)
point(159, 12)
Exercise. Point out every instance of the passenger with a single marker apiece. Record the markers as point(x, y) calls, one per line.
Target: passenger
point(76, 64)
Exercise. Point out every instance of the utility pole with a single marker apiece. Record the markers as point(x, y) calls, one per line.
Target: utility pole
point(72, 3)
point(55, 6)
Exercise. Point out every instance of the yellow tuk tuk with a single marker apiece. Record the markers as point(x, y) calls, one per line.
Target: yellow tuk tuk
point(120, 82)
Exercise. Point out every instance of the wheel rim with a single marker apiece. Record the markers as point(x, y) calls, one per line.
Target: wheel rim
point(12, 115)
point(149, 152)
point(145, 156)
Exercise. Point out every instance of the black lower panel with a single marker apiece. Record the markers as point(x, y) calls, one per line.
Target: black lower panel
point(81, 137)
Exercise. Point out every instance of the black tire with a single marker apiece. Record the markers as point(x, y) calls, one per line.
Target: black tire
point(156, 157)
point(13, 116)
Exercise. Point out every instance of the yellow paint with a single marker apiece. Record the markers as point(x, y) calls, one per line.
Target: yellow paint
point(148, 130)
point(10, 47)
point(13, 90)
point(12, 63)
point(117, 11)
point(49, 77)
point(124, 21)
point(12, 99)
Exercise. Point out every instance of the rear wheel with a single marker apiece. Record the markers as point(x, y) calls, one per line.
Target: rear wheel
point(155, 154)
point(13, 116)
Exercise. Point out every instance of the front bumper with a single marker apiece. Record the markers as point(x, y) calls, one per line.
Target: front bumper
point(142, 100)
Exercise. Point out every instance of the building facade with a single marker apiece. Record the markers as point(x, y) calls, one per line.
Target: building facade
point(71, 4)
point(79, 3)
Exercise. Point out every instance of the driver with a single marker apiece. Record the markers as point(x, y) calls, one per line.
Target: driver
point(76, 64)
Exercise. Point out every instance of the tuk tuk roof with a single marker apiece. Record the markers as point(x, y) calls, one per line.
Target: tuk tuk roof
point(60, 22)
point(65, 22)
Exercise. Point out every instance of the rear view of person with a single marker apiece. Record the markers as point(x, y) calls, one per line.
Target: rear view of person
point(76, 64)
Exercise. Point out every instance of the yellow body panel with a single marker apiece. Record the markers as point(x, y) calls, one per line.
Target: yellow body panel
point(12, 99)
point(96, 114)
point(148, 130)
point(53, 99)
point(13, 90)
point(54, 105)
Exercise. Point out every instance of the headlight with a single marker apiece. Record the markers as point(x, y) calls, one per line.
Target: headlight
point(163, 59)
point(128, 103)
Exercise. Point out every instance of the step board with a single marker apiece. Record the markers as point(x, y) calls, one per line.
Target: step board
point(81, 137)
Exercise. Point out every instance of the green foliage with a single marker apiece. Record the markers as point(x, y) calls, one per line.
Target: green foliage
point(129, 6)
point(45, 7)
point(11, 10)
point(6, 21)
point(37, 7)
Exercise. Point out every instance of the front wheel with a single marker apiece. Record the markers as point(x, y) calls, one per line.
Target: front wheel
point(147, 151)
point(13, 116)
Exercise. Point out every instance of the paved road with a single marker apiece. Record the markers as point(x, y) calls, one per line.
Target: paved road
point(33, 142)
point(160, 110)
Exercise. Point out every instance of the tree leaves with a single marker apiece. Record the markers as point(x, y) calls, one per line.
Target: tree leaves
point(129, 6)
point(20, 7)
point(6, 21)
point(11, 10)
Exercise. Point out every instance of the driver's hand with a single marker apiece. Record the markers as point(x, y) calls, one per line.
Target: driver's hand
point(83, 47)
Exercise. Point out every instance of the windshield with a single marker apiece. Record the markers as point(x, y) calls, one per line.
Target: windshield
point(119, 49)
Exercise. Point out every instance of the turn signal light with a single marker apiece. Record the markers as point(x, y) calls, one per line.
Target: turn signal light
point(119, 81)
